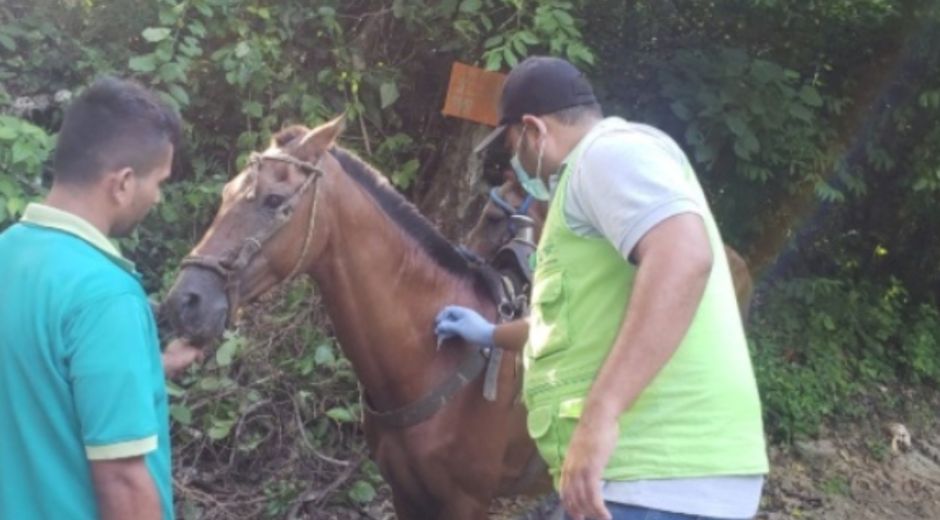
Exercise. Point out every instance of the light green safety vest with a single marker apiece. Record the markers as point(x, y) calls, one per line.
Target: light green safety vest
point(699, 417)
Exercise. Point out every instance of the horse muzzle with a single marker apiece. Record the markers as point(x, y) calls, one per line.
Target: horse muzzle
point(197, 305)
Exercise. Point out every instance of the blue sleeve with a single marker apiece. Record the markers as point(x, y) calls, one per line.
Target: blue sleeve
point(111, 372)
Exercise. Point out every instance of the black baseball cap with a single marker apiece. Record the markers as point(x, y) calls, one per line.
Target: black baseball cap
point(539, 85)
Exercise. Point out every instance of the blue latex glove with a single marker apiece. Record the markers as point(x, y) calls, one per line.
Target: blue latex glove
point(454, 321)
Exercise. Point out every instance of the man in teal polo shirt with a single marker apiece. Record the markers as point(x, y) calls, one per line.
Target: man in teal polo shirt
point(639, 388)
point(85, 430)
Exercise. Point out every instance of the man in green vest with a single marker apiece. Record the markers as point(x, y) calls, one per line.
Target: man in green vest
point(639, 387)
point(85, 426)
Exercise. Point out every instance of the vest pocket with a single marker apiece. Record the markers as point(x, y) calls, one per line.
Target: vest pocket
point(551, 427)
point(548, 331)
point(539, 421)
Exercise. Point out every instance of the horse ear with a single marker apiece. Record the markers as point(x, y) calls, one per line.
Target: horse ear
point(324, 136)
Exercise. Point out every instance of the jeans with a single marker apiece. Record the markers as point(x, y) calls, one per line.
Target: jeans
point(627, 512)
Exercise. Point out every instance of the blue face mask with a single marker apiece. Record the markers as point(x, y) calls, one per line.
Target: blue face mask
point(533, 185)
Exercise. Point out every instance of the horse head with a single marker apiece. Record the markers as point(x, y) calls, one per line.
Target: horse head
point(265, 231)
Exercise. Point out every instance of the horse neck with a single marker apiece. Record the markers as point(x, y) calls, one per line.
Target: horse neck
point(382, 292)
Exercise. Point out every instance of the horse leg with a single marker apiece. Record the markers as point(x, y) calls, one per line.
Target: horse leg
point(464, 507)
point(405, 509)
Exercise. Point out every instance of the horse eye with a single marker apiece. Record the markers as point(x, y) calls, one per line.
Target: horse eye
point(493, 218)
point(273, 201)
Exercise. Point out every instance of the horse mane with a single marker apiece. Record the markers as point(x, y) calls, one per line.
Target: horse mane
point(394, 204)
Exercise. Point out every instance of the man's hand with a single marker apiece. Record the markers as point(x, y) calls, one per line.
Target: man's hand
point(178, 355)
point(455, 320)
point(588, 453)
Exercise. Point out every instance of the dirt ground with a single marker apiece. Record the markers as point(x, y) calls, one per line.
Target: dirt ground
point(854, 473)
point(857, 476)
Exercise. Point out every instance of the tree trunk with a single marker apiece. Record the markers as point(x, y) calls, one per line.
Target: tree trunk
point(453, 194)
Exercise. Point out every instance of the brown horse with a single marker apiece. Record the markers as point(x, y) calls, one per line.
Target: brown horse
point(494, 229)
point(307, 206)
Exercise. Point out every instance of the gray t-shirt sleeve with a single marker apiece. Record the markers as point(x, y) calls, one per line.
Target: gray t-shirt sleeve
point(627, 182)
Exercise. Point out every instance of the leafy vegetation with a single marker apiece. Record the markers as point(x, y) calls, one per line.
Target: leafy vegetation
point(813, 126)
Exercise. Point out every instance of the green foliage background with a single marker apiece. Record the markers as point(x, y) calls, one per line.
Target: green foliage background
point(813, 125)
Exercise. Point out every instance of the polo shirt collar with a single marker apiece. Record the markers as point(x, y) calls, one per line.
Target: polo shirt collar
point(54, 218)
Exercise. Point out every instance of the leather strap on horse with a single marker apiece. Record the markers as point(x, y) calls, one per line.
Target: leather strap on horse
point(229, 268)
point(424, 408)
point(473, 363)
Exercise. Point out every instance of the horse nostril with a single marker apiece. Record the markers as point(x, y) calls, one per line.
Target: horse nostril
point(191, 300)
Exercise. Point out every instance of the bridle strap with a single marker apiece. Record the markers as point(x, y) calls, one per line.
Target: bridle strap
point(508, 208)
point(502, 203)
point(526, 204)
point(416, 412)
point(229, 267)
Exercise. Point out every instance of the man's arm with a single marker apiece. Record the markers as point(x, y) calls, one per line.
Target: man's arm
point(675, 261)
point(467, 323)
point(125, 489)
point(512, 335)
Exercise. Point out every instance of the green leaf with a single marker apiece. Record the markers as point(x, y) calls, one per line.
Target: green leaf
point(7, 42)
point(446, 8)
point(493, 41)
point(181, 414)
point(494, 59)
point(242, 49)
point(22, 151)
point(174, 390)
point(227, 351)
point(564, 18)
point(220, 429)
point(167, 16)
point(388, 93)
point(179, 94)
point(680, 110)
point(811, 96)
point(197, 28)
point(750, 141)
point(528, 37)
point(171, 72)
point(210, 383)
point(766, 71)
point(203, 8)
point(327, 11)
point(486, 22)
point(324, 356)
point(704, 154)
point(800, 112)
point(342, 415)
point(736, 124)
point(169, 214)
point(145, 63)
point(253, 109)
point(470, 6)
point(693, 135)
point(155, 34)
point(362, 492)
point(15, 206)
point(169, 100)
point(7, 133)
point(741, 151)
point(398, 8)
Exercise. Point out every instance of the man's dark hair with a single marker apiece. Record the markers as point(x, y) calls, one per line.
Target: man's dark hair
point(113, 124)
